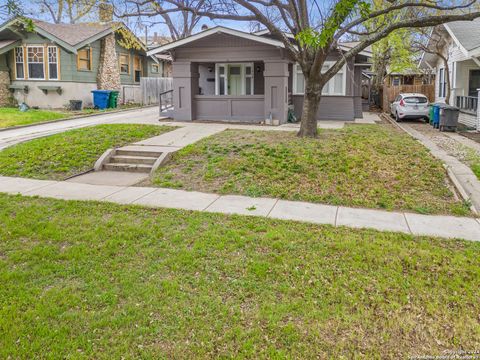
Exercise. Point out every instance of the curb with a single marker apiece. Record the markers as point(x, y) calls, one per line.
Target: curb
point(75, 118)
point(453, 178)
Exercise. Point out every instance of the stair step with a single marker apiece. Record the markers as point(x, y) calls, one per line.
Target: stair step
point(128, 159)
point(142, 168)
point(146, 153)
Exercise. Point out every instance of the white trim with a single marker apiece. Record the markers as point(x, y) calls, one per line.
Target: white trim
point(450, 32)
point(242, 76)
point(43, 62)
point(212, 31)
point(330, 83)
point(23, 63)
point(47, 58)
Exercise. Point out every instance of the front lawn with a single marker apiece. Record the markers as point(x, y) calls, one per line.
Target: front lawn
point(13, 117)
point(89, 280)
point(61, 155)
point(374, 166)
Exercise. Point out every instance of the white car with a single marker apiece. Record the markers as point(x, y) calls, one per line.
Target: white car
point(409, 106)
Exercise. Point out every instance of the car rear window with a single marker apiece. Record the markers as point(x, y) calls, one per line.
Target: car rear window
point(416, 100)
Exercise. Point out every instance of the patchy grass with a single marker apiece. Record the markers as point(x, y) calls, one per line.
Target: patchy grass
point(104, 281)
point(69, 153)
point(374, 166)
point(13, 117)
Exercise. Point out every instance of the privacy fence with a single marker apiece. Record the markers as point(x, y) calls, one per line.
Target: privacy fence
point(391, 92)
point(148, 92)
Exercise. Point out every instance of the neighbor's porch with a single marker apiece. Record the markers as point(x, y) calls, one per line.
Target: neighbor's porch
point(466, 82)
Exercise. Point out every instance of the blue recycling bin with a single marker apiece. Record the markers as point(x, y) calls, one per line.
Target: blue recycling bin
point(100, 98)
point(436, 116)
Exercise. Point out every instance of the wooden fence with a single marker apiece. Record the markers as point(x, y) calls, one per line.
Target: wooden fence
point(152, 87)
point(391, 92)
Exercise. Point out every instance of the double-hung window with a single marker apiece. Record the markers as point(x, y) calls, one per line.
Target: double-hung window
point(124, 61)
point(442, 83)
point(52, 62)
point(335, 86)
point(19, 63)
point(35, 61)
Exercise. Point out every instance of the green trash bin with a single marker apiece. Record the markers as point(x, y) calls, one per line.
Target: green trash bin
point(113, 99)
point(431, 114)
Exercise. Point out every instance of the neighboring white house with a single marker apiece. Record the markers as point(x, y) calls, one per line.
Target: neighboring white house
point(460, 44)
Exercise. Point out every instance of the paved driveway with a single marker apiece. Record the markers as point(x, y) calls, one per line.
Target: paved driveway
point(141, 116)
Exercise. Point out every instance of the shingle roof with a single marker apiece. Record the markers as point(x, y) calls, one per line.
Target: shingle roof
point(73, 33)
point(466, 32)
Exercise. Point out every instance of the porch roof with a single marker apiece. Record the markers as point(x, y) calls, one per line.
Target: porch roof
point(7, 45)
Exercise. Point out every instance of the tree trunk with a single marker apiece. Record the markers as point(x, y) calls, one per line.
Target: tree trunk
point(311, 102)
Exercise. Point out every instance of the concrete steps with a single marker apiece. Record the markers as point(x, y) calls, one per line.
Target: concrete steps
point(132, 160)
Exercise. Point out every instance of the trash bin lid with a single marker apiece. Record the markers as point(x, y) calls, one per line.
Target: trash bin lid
point(102, 91)
point(450, 107)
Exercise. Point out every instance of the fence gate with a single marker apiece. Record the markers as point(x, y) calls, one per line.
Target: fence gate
point(152, 87)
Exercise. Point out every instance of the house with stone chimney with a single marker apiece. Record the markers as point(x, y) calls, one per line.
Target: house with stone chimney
point(55, 63)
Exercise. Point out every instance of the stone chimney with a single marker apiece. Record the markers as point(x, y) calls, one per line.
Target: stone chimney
point(108, 77)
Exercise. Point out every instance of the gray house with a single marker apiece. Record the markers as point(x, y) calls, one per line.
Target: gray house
point(230, 75)
point(56, 63)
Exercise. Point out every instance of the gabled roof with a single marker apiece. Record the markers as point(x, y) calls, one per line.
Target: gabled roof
point(72, 36)
point(7, 45)
point(212, 31)
point(465, 33)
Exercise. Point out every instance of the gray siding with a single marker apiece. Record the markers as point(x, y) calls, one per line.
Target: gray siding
point(330, 108)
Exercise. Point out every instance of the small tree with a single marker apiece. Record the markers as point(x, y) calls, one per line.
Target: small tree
point(318, 27)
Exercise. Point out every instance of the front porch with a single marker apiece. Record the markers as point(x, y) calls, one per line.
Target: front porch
point(466, 82)
point(253, 92)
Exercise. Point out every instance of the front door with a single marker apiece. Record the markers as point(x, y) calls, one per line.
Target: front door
point(235, 80)
point(474, 83)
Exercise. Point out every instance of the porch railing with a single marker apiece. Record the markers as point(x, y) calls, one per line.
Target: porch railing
point(166, 100)
point(467, 103)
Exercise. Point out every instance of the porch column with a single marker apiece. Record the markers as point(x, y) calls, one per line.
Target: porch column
point(185, 87)
point(276, 91)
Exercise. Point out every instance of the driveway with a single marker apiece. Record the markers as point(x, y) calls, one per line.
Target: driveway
point(140, 116)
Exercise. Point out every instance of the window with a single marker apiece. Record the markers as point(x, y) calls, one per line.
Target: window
point(335, 86)
point(234, 79)
point(248, 79)
point(124, 61)
point(442, 83)
point(155, 68)
point(35, 61)
point(84, 59)
point(221, 83)
point(19, 63)
point(137, 68)
point(416, 100)
point(52, 63)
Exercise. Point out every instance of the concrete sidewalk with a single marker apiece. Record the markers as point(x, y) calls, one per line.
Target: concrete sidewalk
point(442, 226)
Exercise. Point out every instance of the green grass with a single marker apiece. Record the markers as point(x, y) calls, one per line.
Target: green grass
point(91, 280)
point(13, 117)
point(69, 153)
point(374, 166)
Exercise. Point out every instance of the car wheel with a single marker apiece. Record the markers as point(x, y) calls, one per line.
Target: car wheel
point(397, 118)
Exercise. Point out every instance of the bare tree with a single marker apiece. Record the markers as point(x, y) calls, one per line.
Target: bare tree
point(433, 41)
point(180, 24)
point(318, 27)
point(70, 11)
